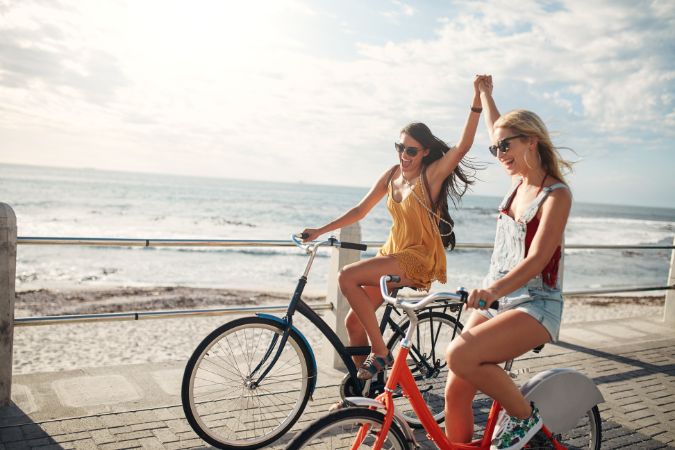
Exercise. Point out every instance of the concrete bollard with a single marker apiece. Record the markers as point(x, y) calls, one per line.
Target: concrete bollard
point(669, 306)
point(340, 258)
point(7, 280)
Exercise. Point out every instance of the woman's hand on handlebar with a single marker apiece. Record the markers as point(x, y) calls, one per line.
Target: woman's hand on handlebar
point(309, 235)
point(480, 299)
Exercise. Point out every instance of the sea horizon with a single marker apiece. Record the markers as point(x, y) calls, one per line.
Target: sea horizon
point(669, 211)
point(58, 202)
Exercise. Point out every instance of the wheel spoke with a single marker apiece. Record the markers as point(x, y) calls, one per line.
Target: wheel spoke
point(224, 404)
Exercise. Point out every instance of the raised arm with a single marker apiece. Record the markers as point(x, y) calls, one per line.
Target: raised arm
point(439, 170)
point(491, 111)
point(356, 213)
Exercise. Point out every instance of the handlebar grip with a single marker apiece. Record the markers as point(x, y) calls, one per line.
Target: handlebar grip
point(395, 278)
point(302, 235)
point(494, 305)
point(354, 246)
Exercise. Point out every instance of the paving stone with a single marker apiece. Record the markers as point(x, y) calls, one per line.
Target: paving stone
point(134, 435)
point(74, 425)
point(53, 428)
point(169, 413)
point(32, 431)
point(41, 442)
point(113, 420)
point(17, 445)
point(93, 423)
point(165, 435)
point(71, 437)
point(12, 434)
point(146, 426)
point(102, 436)
point(120, 445)
point(151, 443)
point(178, 426)
point(85, 444)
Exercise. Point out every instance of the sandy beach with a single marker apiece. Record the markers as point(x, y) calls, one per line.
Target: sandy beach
point(71, 346)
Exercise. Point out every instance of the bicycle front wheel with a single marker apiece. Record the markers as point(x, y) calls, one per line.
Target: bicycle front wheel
point(586, 435)
point(339, 430)
point(222, 400)
point(426, 360)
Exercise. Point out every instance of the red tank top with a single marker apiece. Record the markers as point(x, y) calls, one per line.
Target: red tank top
point(550, 273)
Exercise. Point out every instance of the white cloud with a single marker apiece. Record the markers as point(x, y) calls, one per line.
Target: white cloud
point(218, 90)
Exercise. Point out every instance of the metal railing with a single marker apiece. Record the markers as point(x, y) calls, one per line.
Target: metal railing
point(143, 242)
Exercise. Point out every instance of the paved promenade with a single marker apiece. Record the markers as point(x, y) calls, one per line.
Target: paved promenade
point(138, 406)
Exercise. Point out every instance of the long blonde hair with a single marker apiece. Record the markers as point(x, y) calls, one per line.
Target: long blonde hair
point(526, 122)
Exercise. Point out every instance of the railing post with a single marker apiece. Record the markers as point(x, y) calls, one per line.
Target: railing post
point(669, 306)
point(7, 280)
point(338, 259)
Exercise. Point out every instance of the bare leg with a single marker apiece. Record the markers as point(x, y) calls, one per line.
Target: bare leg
point(357, 334)
point(354, 278)
point(475, 354)
point(459, 395)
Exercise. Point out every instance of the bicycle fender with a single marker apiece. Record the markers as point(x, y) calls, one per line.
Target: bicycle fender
point(563, 396)
point(371, 403)
point(312, 381)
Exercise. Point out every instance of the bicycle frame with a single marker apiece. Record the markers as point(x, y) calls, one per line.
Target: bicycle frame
point(298, 305)
point(401, 376)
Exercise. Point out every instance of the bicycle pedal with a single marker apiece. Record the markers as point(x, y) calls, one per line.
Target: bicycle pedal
point(516, 372)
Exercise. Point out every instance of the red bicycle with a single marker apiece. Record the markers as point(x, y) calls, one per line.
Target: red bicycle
point(567, 402)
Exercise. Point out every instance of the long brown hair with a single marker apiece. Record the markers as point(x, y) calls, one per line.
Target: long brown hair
point(526, 122)
point(454, 186)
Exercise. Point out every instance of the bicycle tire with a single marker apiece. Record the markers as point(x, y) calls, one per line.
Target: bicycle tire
point(432, 347)
point(587, 434)
point(220, 403)
point(338, 430)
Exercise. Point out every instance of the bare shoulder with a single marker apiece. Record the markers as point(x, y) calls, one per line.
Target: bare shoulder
point(387, 175)
point(558, 199)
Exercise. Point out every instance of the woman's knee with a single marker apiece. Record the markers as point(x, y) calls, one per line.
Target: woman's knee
point(346, 277)
point(460, 358)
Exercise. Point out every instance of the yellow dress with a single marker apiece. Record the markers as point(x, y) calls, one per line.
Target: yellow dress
point(414, 239)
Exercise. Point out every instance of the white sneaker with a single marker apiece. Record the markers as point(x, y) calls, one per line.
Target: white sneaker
point(515, 433)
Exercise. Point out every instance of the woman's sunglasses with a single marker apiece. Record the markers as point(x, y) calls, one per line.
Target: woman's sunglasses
point(503, 145)
point(410, 151)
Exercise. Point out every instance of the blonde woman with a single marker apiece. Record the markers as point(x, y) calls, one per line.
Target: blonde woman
point(524, 277)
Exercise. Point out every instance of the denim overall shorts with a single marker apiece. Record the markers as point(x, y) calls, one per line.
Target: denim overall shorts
point(543, 302)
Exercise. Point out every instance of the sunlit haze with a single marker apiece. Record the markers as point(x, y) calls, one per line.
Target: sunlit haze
point(317, 91)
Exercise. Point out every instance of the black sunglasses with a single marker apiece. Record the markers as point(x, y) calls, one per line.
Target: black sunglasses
point(503, 145)
point(410, 151)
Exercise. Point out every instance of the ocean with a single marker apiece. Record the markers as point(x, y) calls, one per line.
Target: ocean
point(58, 202)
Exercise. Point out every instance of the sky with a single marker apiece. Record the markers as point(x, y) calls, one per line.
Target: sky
point(317, 91)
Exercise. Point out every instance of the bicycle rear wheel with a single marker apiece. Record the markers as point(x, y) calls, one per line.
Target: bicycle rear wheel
point(586, 435)
point(338, 430)
point(426, 360)
point(221, 399)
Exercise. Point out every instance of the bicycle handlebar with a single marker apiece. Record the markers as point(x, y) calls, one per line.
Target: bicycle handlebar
point(332, 241)
point(461, 295)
